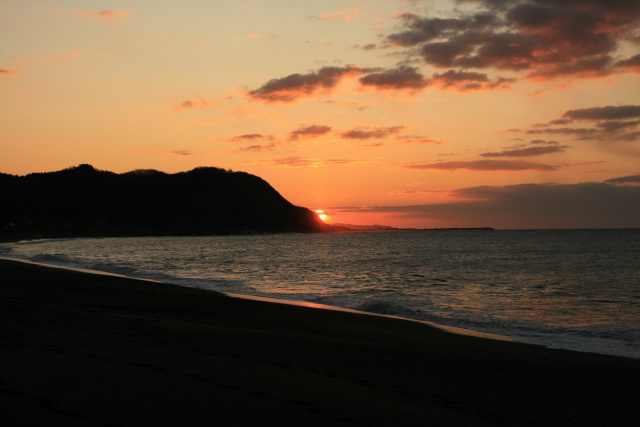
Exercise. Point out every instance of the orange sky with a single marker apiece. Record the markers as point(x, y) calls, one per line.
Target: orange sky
point(397, 112)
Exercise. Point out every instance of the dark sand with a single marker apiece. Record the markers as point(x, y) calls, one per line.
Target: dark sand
point(85, 349)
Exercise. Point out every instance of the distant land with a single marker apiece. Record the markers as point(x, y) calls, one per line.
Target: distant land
point(353, 227)
point(84, 201)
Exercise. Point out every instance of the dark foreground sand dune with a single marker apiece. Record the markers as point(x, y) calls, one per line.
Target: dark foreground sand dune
point(84, 349)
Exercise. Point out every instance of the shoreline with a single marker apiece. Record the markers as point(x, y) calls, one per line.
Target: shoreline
point(82, 348)
point(449, 328)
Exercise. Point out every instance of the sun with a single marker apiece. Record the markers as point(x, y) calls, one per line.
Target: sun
point(321, 214)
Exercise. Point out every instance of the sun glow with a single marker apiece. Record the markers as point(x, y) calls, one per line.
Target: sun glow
point(321, 214)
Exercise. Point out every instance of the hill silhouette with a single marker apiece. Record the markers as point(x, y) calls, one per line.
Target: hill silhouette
point(82, 200)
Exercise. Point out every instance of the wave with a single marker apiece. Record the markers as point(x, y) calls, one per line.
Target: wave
point(51, 258)
point(382, 306)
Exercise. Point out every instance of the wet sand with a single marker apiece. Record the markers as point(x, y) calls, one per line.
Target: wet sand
point(86, 349)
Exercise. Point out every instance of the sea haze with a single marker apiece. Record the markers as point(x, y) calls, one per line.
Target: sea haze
point(573, 289)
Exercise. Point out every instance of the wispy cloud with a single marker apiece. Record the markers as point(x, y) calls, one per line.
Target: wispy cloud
point(250, 137)
point(528, 151)
point(610, 123)
point(312, 131)
point(260, 147)
point(371, 132)
point(486, 165)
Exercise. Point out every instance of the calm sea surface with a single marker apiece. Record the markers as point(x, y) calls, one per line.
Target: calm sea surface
point(574, 289)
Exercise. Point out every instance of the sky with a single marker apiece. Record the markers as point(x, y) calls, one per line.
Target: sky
point(408, 113)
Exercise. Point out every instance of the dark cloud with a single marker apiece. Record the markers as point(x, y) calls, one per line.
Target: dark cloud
point(312, 131)
point(632, 179)
point(612, 123)
point(487, 165)
point(260, 147)
point(543, 141)
point(371, 132)
point(580, 133)
point(409, 79)
point(183, 153)
point(401, 78)
point(524, 206)
point(543, 39)
point(632, 62)
point(421, 29)
point(527, 152)
point(630, 136)
point(464, 81)
point(604, 113)
point(250, 137)
point(616, 126)
point(294, 86)
point(418, 139)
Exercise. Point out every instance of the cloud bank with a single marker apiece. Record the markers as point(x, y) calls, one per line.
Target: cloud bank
point(583, 205)
point(539, 39)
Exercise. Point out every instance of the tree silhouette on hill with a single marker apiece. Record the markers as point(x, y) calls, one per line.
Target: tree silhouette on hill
point(206, 200)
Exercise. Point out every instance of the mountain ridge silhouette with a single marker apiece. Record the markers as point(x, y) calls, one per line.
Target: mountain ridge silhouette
point(83, 200)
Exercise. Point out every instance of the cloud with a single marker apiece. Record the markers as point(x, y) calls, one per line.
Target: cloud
point(632, 179)
point(111, 16)
point(632, 63)
point(610, 123)
point(596, 162)
point(417, 139)
point(410, 80)
point(604, 113)
point(294, 86)
point(525, 206)
point(538, 39)
point(312, 131)
point(487, 165)
point(369, 132)
point(260, 148)
point(528, 151)
point(402, 78)
point(295, 161)
point(9, 72)
point(581, 133)
point(201, 103)
point(250, 137)
point(183, 153)
point(465, 81)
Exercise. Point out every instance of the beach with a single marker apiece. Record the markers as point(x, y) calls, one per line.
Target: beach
point(89, 349)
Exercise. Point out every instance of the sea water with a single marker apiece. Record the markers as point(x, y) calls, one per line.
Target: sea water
point(572, 289)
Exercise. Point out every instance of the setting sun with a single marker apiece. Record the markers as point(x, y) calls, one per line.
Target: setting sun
point(321, 214)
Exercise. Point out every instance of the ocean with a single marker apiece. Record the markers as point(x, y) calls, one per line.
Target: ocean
point(571, 289)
